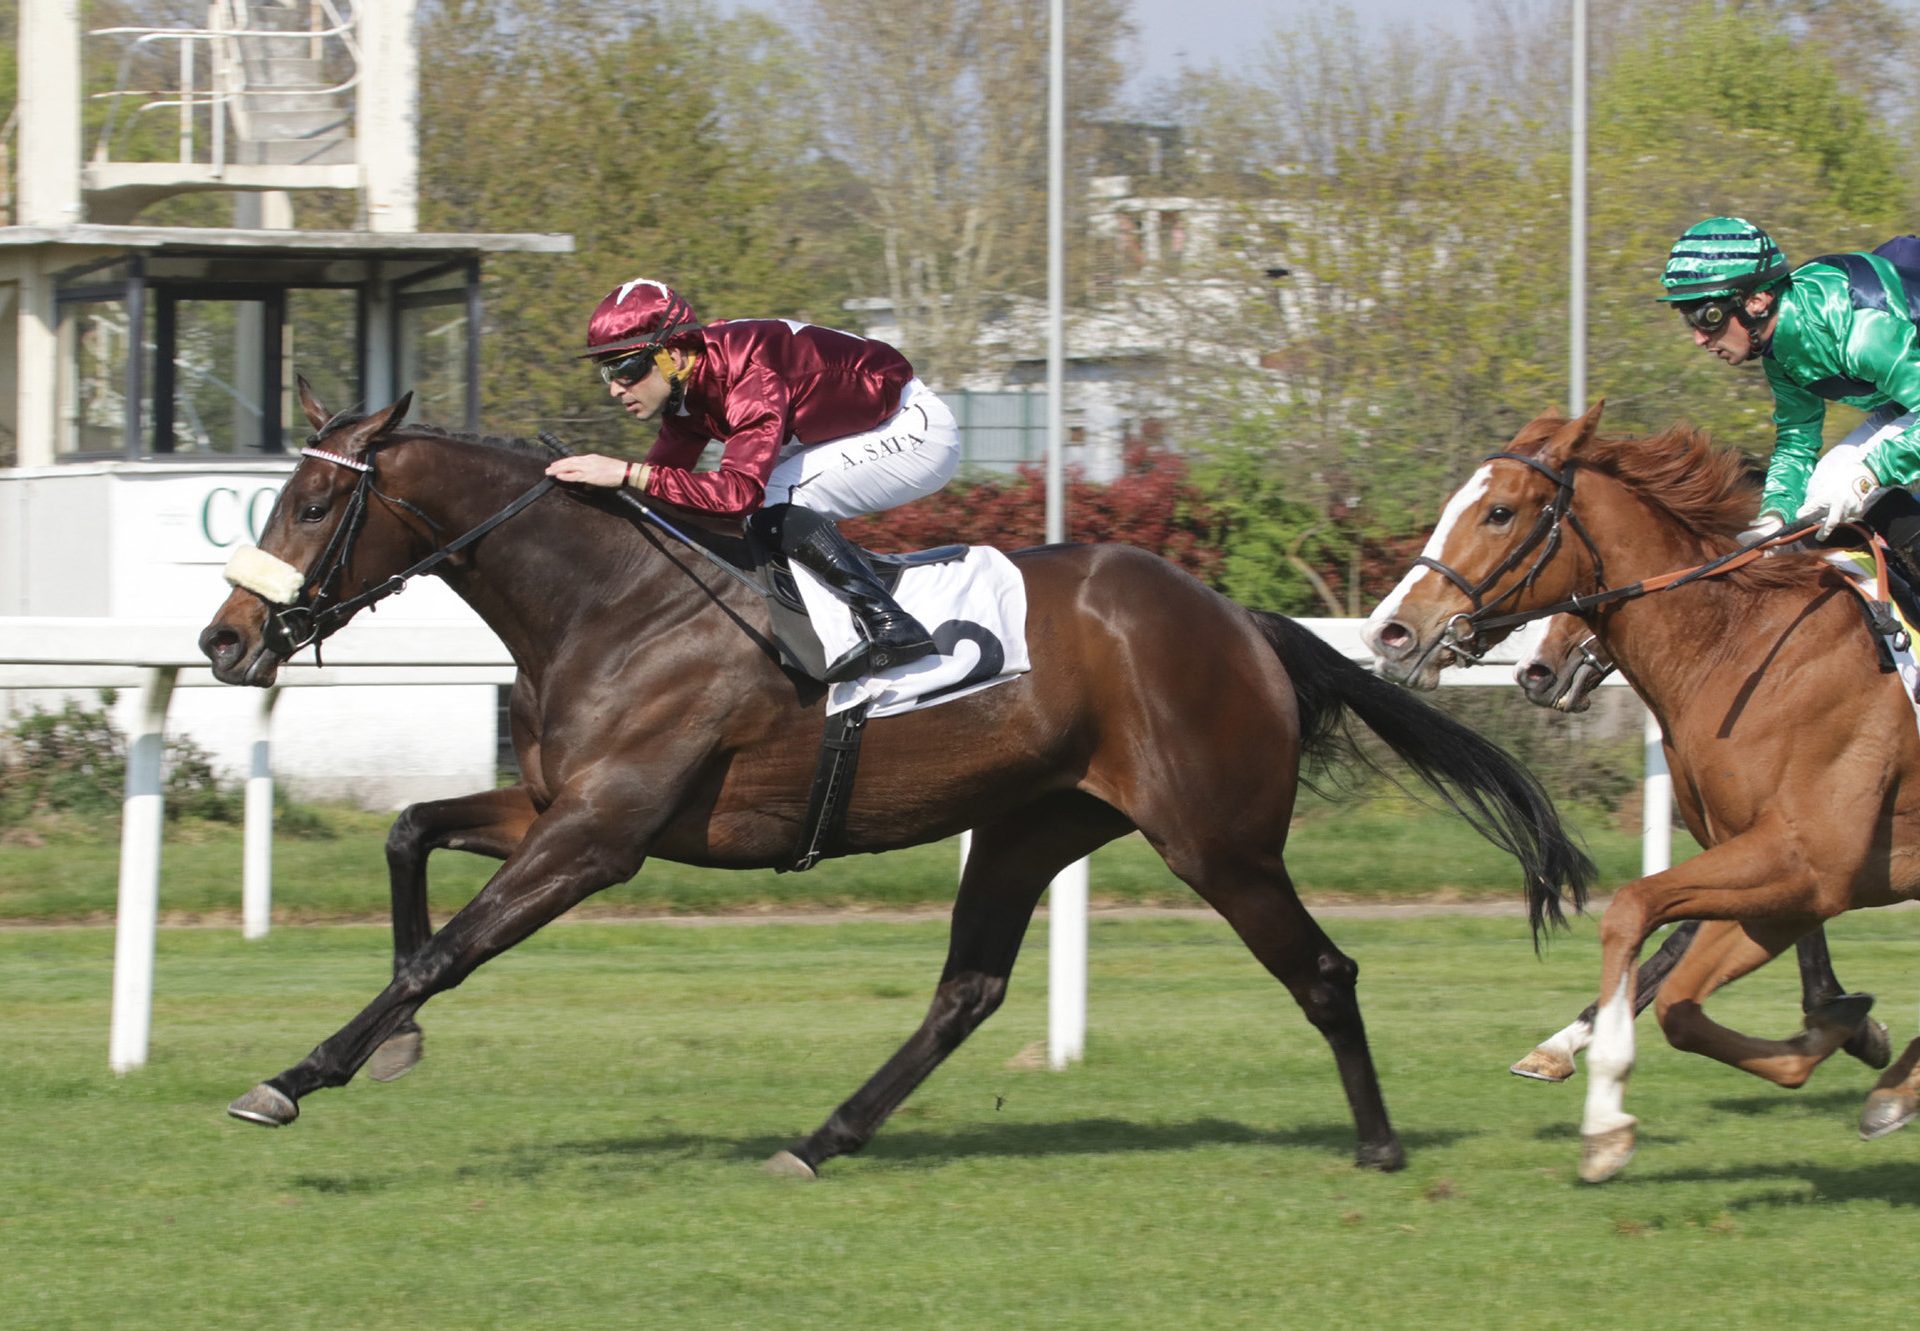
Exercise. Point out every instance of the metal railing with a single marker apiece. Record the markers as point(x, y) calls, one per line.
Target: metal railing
point(227, 87)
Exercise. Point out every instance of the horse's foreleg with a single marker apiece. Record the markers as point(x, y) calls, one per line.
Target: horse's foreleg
point(1552, 1058)
point(1820, 986)
point(568, 854)
point(1895, 1101)
point(1718, 883)
point(1008, 867)
point(489, 823)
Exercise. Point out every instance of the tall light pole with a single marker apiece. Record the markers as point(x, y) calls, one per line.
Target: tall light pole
point(1067, 895)
point(1577, 250)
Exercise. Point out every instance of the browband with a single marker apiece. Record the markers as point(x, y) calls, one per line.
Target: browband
point(340, 458)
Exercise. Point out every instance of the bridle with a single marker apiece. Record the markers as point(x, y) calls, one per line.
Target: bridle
point(307, 617)
point(1463, 629)
point(1592, 666)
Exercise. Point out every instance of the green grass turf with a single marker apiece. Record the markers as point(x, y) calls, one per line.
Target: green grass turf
point(580, 1147)
point(1377, 849)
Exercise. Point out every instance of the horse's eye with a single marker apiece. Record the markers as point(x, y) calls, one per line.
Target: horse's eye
point(1499, 515)
point(313, 512)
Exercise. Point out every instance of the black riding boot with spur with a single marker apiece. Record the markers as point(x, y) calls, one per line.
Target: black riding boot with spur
point(893, 637)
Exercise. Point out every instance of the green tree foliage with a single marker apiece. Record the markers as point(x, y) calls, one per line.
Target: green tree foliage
point(1417, 187)
point(942, 109)
point(671, 142)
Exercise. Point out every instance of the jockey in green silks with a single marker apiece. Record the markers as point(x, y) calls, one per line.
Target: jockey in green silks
point(1841, 328)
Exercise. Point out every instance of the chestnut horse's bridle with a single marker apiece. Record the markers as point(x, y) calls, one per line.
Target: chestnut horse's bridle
point(1462, 630)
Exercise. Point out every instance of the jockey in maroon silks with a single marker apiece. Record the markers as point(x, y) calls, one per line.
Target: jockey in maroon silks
point(815, 425)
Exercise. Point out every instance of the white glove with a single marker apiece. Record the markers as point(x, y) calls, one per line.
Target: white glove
point(1839, 494)
point(1767, 524)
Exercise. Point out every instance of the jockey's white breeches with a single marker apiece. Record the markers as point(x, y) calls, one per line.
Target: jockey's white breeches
point(909, 455)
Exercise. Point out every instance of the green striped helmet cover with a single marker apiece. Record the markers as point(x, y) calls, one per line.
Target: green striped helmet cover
point(1722, 256)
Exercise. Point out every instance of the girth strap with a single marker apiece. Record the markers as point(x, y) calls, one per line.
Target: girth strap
point(824, 830)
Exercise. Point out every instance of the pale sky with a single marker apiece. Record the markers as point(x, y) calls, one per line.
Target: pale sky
point(1173, 33)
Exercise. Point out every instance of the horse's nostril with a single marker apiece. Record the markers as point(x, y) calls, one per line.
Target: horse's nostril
point(1538, 674)
point(220, 644)
point(1394, 636)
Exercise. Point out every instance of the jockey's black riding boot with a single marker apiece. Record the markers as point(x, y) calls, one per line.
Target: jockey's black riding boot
point(893, 637)
point(1896, 516)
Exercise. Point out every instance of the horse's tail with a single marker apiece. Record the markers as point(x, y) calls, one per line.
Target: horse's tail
point(1479, 779)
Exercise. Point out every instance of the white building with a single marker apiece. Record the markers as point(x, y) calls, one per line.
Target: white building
point(147, 398)
point(1171, 287)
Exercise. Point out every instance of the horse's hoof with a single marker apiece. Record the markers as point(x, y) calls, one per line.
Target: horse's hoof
point(1604, 1154)
point(1544, 1064)
point(266, 1106)
point(1845, 1013)
point(1387, 1156)
point(1870, 1044)
point(785, 1164)
point(1887, 1111)
point(395, 1058)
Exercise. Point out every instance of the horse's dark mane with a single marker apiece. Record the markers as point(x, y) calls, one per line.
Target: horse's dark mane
point(505, 443)
point(1710, 491)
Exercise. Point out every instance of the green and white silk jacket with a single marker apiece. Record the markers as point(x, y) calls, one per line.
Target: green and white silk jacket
point(1846, 333)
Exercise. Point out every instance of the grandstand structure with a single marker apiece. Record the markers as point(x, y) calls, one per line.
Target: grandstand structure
point(148, 414)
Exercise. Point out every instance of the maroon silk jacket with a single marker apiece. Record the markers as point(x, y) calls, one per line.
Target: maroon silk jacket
point(759, 384)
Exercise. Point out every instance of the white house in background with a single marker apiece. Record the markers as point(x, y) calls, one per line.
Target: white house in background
point(147, 372)
point(1132, 343)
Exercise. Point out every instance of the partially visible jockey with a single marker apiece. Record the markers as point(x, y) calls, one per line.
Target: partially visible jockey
point(815, 425)
point(1838, 329)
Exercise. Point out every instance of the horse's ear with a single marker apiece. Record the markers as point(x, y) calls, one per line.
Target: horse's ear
point(1572, 437)
point(369, 429)
point(317, 415)
point(392, 416)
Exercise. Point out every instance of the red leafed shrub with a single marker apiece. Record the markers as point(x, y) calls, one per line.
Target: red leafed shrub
point(1150, 504)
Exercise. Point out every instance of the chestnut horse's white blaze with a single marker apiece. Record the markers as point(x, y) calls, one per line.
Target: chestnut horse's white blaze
point(1463, 499)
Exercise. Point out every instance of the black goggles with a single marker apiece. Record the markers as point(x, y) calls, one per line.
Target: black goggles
point(627, 370)
point(1710, 316)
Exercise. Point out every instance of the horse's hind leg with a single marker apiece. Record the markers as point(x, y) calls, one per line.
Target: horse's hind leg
point(1819, 986)
point(1725, 951)
point(1267, 913)
point(1552, 1058)
point(1009, 866)
point(490, 823)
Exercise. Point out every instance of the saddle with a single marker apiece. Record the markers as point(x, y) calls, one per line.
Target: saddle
point(793, 631)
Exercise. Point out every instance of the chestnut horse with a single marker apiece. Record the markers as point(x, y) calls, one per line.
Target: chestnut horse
point(1796, 759)
point(652, 718)
point(1565, 667)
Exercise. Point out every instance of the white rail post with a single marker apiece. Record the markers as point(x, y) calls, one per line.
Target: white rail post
point(1656, 817)
point(256, 882)
point(1067, 966)
point(139, 906)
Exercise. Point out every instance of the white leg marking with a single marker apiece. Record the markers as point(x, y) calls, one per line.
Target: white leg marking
point(1569, 1040)
point(1609, 1064)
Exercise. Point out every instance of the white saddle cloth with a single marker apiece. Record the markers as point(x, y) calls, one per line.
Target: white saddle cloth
point(1858, 565)
point(976, 609)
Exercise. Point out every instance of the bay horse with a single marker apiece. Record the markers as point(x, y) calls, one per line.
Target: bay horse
point(1795, 758)
point(652, 718)
point(1565, 667)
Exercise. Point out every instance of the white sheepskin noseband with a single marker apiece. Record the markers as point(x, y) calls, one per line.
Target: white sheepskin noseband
point(261, 573)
